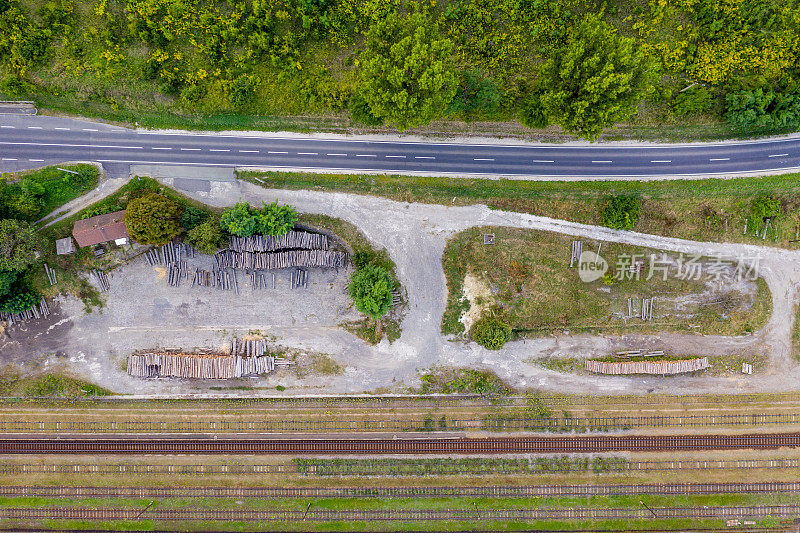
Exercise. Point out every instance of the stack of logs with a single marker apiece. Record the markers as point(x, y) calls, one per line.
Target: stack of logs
point(248, 348)
point(206, 366)
point(299, 278)
point(293, 240)
point(169, 253)
point(51, 274)
point(275, 260)
point(648, 367)
point(102, 279)
point(259, 280)
point(177, 271)
point(202, 278)
point(37, 311)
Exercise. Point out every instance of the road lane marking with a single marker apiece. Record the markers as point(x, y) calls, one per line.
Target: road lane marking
point(482, 159)
point(275, 152)
point(661, 161)
point(218, 150)
point(74, 145)
point(720, 159)
point(248, 151)
point(190, 149)
point(36, 160)
point(602, 161)
point(778, 155)
point(337, 154)
point(397, 156)
point(90, 129)
point(9, 159)
point(9, 127)
point(35, 127)
point(161, 148)
point(542, 161)
point(366, 155)
point(62, 129)
point(424, 157)
point(307, 153)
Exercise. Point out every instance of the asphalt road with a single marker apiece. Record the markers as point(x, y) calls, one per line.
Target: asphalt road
point(27, 142)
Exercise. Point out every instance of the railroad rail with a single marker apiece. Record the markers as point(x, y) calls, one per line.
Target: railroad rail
point(400, 515)
point(414, 446)
point(401, 492)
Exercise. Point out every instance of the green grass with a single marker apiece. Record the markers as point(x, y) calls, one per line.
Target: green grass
point(705, 210)
point(526, 273)
point(59, 187)
point(48, 385)
point(449, 380)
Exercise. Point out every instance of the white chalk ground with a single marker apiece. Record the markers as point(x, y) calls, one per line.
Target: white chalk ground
point(415, 236)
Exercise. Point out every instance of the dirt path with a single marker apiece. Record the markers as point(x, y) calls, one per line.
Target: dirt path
point(415, 235)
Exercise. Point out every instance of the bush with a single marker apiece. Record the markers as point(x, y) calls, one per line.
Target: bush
point(491, 332)
point(532, 113)
point(240, 220)
point(475, 94)
point(20, 302)
point(760, 109)
point(276, 219)
point(153, 219)
point(207, 237)
point(763, 207)
point(7, 279)
point(361, 113)
point(371, 290)
point(193, 217)
point(621, 212)
point(19, 245)
point(693, 101)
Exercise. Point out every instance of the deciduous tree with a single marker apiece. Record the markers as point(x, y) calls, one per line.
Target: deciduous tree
point(276, 219)
point(371, 289)
point(240, 220)
point(19, 244)
point(153, 219)
point(206, 237)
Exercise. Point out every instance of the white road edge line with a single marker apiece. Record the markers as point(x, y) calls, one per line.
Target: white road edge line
point(778, 155)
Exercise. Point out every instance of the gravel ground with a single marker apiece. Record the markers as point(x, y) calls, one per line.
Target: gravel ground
point(415, 236)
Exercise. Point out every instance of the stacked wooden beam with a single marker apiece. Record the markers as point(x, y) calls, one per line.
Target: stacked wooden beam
point(194, 366)
point(177, 271)
point(102, 279)
point(259, 279)
point(299, 278)
point(37, 311)
point(224, 279)
point(293, 240)
point(276, 260)
point(51, 274)
point(171, 252)
point(577, 250)
point(202, 278)
point(248, 348)
point(645, 310)
point(648, 367)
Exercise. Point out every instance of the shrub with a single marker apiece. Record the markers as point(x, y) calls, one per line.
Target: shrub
point(491, 332)
point(760, 109)
point(20, 302)
point(276, 219)
point(193, 217)
point(206, 237)
point(240, 220)
point(763, 207)
point(371, 290)
point(693, 101)
point(621, 212)
point(19, 244)
point(532, 113)
point(153, 219)
point(7, 279)
point(475, 93)
point(361, 113)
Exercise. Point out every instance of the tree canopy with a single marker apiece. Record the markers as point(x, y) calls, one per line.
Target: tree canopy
point(622, 211)
point(406, 71)
point(272, 219)
point(19, 244)
point(595, 79)
point(371, 289)
point(240, 220)
point(153, 219)
point(207, 237)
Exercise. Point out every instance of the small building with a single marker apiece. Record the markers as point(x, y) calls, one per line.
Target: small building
point(65, 246)
point(101, 229)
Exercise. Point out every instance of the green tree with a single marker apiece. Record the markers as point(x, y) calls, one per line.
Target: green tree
point(763, 207)
point(621, 212)
point(7, 279)
point(153, 219)
point(406, 71)
point(595, 79)
point(371, 290)
point(698, 100)
point(763, 109)
point(192, 217)
point(491, 332)
point(19, 302)
point(361, 112)
point(532, 113)
point(276, 219)
point(19, 245)
point(240, 220)
point(206, 237)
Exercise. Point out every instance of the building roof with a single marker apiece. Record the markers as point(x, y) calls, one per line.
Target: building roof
point(99, 229)
point(65, 246)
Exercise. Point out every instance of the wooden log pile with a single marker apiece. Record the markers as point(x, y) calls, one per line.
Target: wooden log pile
point(37, 311)
point(202, 278)
point(276, 260)
point(248, 348)
point(171, 252)
point(102, 279)
point(259, 279)
point(51, 274)
point(197, 366)
point(177, 272)
point(293, 240)
point(299, 278)
point(648, 367)
point(224, 279)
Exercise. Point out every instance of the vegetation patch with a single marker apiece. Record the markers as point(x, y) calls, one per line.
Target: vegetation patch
point(450, 380)
point(49, 385)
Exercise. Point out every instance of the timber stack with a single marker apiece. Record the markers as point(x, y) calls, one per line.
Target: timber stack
point(276, 260)
point(293, 240)
point(248, 348)
point(648, 367)
point(197, 366)
point(37, 311)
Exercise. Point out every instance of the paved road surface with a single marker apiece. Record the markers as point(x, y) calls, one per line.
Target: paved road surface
point(27, 142)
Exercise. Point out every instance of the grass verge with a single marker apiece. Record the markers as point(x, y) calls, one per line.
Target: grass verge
point(49, 385)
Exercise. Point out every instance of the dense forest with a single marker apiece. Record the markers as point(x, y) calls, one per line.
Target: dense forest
point(573, 63)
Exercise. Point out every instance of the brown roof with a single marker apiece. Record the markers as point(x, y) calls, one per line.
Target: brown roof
point(102, 228)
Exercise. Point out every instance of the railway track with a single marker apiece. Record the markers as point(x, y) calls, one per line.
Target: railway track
point(397, 446)
point(401, 515)
point(400, 492)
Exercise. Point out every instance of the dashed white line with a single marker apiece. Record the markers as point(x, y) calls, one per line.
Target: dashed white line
point(9, 127)
point(720, 159)
point(337, 154)
point(9, 159)
point(276, 152)
point(482, 159)
point(219, 150)
point(542, 161)
point(366, 155)
point(62, 129)
point(161, 148)
point(35, 160)
point(248, 151)
point(397, 156)
point(602, 161)
point(190, 149)
point(90, 129)
point(424, 157)
point(74, 145)
point(35, 127)
point(661, 161)
point(778, 155)
point(307, 153)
